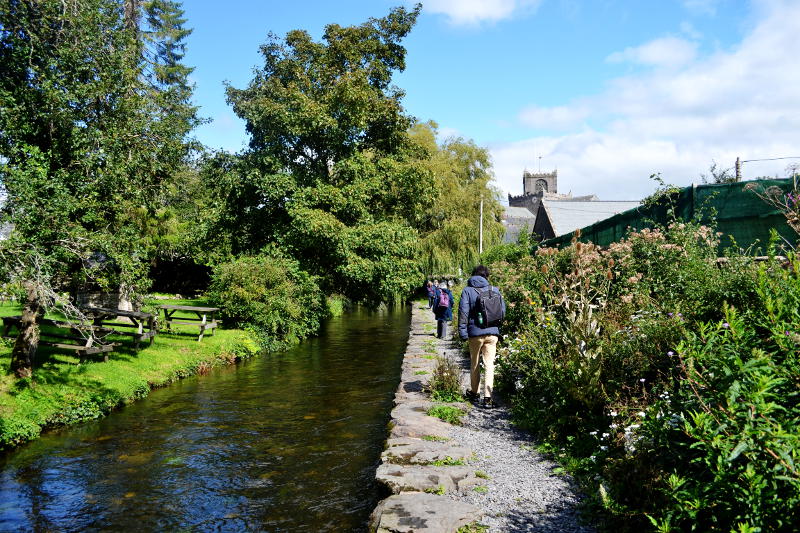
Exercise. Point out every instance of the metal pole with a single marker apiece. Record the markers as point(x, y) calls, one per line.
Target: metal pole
point(480, 231)
point(738, 170)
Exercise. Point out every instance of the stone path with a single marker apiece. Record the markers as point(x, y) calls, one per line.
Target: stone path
point(444, 477)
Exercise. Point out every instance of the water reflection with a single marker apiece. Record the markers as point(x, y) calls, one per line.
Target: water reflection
point(287, 442)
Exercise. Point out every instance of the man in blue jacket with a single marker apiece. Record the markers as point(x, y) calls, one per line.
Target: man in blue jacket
point(482, 340)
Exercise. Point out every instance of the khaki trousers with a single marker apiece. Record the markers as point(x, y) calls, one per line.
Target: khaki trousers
point(484, 346)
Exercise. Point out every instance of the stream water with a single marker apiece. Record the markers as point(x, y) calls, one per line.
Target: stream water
point(284, 442)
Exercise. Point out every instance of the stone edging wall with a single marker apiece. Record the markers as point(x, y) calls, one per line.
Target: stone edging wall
point(421, 464)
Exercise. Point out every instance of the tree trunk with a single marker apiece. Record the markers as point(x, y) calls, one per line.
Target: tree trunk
point(28, 339)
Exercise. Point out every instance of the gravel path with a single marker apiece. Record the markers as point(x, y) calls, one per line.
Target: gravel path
point(522, 492)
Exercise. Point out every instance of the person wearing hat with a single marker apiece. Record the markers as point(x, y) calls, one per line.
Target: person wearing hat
point(443, 309)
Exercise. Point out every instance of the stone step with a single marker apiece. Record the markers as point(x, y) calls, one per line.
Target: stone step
point(405, 451)
point(417, 478)
point(419, 512)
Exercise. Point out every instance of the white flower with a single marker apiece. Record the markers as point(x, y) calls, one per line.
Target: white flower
point(593, 433)
point(641, 413)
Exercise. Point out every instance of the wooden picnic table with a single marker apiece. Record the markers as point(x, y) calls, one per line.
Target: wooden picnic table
point(204, 317)
point(86, 339)
point(145, 325)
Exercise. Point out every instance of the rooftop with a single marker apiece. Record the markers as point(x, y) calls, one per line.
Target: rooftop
point(566, 217)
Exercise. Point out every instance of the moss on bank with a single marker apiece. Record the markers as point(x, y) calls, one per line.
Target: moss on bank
point(63, 392)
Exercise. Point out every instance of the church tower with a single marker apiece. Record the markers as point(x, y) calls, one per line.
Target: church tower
point(539, 182)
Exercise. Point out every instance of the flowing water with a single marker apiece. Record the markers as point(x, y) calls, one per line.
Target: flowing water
point(285, 442)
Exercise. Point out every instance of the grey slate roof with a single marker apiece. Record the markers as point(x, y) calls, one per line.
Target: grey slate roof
point(566, 217)
point(518, 212)
point(515, 219)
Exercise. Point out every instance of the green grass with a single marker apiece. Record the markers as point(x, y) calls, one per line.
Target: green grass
point(435, 438)
point(474, 527)
point(440, 490)
point(481, 474)
point(448, 461)
point(420, 372)
point(63, 391)
point(448, 413)
point(480, 489)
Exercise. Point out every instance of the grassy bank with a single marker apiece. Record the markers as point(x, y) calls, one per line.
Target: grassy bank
point(62, 391)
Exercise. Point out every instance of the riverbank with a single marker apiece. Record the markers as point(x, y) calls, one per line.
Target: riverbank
point(482, 476)
point(62, 391)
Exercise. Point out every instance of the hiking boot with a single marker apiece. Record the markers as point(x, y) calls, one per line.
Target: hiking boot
point(471, 396)
point(487, 403)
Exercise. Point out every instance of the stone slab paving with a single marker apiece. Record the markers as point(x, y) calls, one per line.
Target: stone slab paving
point(418, 512)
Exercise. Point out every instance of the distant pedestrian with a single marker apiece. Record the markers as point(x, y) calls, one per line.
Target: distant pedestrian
point(443, 309)
point(431, 293)
point(480, 313)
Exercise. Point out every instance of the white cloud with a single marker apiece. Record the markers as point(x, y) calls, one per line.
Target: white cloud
point(663, 52)
point(470, 12)
point(559, 117)
point(738, 103)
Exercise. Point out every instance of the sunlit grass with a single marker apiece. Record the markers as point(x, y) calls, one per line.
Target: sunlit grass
point(63, 391)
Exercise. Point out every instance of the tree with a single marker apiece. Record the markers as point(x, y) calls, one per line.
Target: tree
point(329, 132)
point(450, 227)
point(77, 137)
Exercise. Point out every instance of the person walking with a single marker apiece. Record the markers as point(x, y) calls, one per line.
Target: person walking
point(480, 313)
point(443, 309)
point(431, 293)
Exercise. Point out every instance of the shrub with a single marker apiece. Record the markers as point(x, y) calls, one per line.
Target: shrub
point(269, 295)
point(445, 381)
point(665, 379)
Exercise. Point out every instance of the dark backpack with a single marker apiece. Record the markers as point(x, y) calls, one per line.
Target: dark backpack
point(444, 300)
point(489, 305)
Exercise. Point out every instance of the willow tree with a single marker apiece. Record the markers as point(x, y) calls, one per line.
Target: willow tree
point(450, 228)
point(329, 128)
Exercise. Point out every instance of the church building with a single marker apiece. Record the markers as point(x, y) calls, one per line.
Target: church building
point(542, 209)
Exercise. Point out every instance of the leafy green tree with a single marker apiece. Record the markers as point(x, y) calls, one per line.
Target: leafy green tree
point(450, 226)
point(77, 141)
point(331, 174)
point(314, 104)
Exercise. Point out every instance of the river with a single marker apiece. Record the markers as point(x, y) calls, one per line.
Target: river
point(283, 442)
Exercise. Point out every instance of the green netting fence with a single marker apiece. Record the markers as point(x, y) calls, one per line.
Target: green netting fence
point(740, 214)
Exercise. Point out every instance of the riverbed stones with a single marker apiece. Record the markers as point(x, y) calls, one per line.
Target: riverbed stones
point(418, 512)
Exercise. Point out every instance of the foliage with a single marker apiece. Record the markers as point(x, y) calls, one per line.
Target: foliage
point(86, 147)
point(445, 382)
point(448, 461)
point(448, 413)
point(270, 295)
point(450, 225)
point(648, 364)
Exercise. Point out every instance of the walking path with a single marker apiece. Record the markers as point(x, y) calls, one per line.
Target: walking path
point(443, 477)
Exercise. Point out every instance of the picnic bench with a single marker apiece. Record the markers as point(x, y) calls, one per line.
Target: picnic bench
point(144, 325)
point(203, 317)
point(84, 339)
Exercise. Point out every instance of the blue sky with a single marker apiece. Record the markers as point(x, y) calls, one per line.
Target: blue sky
point(607, 91)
